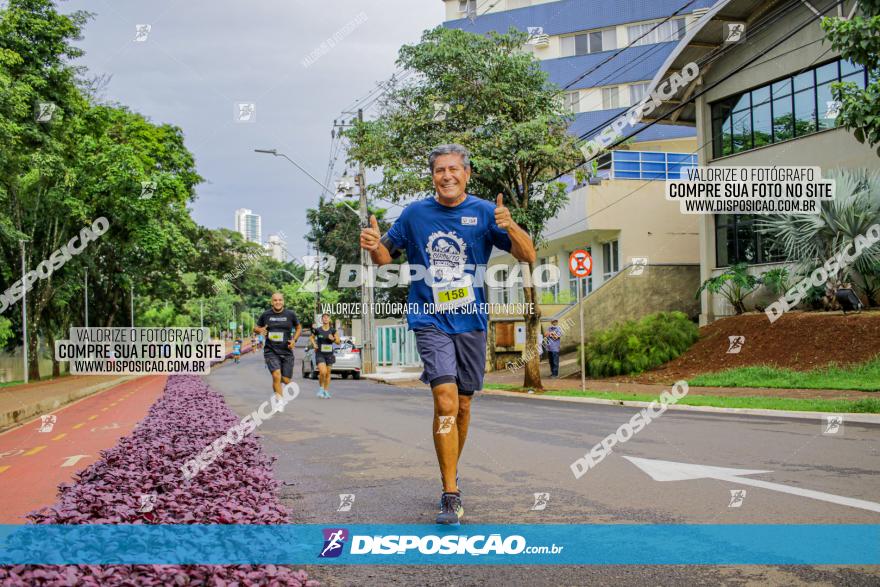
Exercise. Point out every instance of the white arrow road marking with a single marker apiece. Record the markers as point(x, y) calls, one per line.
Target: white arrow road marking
point(672, 471)
point(71, 461)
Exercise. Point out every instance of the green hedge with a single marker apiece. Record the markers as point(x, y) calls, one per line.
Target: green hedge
point(636, 346)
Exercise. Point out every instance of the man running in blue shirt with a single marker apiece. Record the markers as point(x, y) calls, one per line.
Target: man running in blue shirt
point(449, 235)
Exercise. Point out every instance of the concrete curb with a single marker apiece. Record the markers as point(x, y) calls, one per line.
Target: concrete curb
point(21, 415)
point(847, 417)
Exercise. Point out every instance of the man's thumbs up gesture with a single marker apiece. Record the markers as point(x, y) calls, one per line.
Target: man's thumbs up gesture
point(370, 236)
point(502, 213)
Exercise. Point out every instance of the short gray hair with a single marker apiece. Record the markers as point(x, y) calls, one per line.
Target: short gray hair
point(448, 150)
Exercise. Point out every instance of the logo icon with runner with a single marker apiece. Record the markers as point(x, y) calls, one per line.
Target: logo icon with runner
point(737, 497)
point(541, 501)
point(346, 500)
point(334, 541)
point(735, 344)
point(47, 422)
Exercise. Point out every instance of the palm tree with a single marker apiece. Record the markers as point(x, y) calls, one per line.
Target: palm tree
point(810, 240)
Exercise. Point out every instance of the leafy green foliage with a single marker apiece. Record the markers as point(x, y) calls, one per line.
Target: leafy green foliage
point(858, 40)
point(735, 284)
point(636, 346)
point(487, 94)
point(812, 239)
point(777, 280)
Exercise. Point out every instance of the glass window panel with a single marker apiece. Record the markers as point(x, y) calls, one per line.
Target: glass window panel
point(627, 165)
point(618, 174)
point(626, 155)
point(581, 45)
point(637, 92)
point(610, 98)
point(848, 67)
point(723, 220)
point(826, 73)
point(782, 88)
point(760, 96)
point(725, 246)
point(783, 122)
point(654, 174)
point(742, 131)
point(727, 137)
point(595, 42)
point(742, 103)
point(680, 25)
point(762, 125)
point(609, 39)
point(649, 156)
point(648, 166)
point(857, 78)
point(633, 32)
point(823, 94)
point(567, 46)
point(803, 80)
point(746, 244)
point(804, 113)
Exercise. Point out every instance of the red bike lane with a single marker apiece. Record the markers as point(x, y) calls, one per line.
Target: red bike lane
point(37, 456)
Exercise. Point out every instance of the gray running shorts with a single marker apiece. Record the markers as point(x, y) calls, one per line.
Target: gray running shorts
point(453, 358)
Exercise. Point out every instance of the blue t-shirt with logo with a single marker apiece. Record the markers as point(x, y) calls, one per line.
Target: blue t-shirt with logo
point(453, 240)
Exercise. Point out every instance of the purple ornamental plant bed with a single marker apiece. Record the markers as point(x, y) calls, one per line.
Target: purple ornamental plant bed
point(238, 488)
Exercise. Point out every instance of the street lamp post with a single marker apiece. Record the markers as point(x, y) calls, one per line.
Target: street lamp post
point(366, 261)
point(24, 339)
point(132, 305)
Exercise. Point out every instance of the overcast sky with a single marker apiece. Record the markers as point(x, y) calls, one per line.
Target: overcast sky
point(202, 57)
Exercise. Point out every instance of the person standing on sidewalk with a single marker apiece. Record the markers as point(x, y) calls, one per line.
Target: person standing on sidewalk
point(554, 341)
point(449, 235)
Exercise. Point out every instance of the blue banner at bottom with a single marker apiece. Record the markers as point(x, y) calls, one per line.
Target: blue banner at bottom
point(373, 544)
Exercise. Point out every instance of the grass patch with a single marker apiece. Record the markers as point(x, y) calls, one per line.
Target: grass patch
point(861, 377)
point(869, 405)
point(32, 381)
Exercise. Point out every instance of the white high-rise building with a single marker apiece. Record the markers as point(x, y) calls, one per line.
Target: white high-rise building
point(248, 225)
point(277, 247)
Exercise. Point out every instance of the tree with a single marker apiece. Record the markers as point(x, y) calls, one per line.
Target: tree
point(812, 239)
point(332, 227)
point(488, 94)
point(858, 40)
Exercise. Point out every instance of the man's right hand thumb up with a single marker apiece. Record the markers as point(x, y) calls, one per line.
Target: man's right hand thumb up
point(370, 236)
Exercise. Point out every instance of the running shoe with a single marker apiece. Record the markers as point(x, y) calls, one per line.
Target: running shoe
point(451, 511)
point(457, 486)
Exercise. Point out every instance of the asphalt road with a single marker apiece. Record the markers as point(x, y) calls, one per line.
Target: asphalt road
point(374, 441)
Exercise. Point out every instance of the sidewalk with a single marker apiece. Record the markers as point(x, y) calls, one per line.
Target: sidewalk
point(516, 379)
point(409, 377)
point(20, 403)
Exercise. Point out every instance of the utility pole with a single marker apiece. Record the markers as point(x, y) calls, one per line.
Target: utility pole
point(24, 340)
point(368, 365)
point(367, 272)
point(87, 296)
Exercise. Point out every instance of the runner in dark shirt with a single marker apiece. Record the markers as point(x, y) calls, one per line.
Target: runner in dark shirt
point(322, 340)
point(281, 329)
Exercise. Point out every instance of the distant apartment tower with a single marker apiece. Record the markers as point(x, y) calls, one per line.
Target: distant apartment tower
point(277, 248)
point(248, 225)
